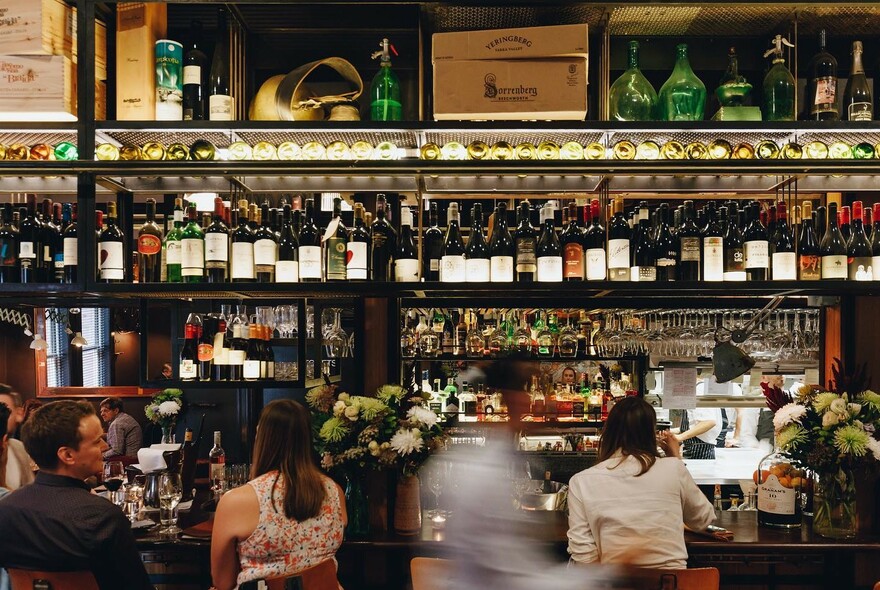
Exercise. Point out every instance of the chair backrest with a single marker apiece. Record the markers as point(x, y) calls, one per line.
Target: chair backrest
point(698, 578)
point(317, 577)
point(429, 573)
point(35, 580)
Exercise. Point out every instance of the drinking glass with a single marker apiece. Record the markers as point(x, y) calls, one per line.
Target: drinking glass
point(436, 479)
point(286, 320)
point(134, 496)
point(335, 338)
point(568, 341)
point(170, 493)
point(114, 474)
point(474, 342)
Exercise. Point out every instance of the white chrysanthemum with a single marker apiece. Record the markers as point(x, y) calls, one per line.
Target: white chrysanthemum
point(338, 408)
point(874, 446)
point(829, 419)
point(351, 412)
point(420, 415)
point(406, 441)
point(169, 408)
point(854, 409)
point(838, 406)
point(343, 397)
point(788, 414)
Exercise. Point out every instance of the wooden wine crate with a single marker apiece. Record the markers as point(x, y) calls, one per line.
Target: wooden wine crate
point(36, 27)
point(36, 85)
point(100, 47)
point(138, 26)
point(100, 100)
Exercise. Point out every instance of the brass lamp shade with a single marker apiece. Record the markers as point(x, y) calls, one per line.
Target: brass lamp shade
point(729, 362)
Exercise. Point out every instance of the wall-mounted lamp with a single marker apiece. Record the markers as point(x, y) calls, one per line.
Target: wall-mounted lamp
point(78, 340)
point(728, 360)
point(39, 343)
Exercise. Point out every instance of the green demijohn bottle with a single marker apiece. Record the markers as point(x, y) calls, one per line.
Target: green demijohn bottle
point(632, 96)
point(683, 95)
point(385, 102)
point(779, 85)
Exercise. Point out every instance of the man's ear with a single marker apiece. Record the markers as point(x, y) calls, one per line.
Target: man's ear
point(66, 455)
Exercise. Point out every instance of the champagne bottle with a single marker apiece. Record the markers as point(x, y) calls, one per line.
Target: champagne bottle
point(382, 244)
point(858, 250)
point(453, 267)
point(784, 260)
point(172, 250)
point(192, 242)
point(477, 267)
point(71, 244)
point(265, 248)
point(432, 247)
point(217, 245)
point(195, 75)
point(150, 247)
point(358, 248)
point(111, 249)
point(572, 240)
point(502, 248)
point(335, 244)
point(526, 245)
point(242, 248)
point(821, 97)
point(220, 103)
point(549, 250)
point(406, 257)
point(310, 246)
point(287, 266)
point(833, 249)
point(689, 246)
point(809, 265)
point(618, 244)
point(858, 104)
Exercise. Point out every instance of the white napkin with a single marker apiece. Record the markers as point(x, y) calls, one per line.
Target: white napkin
point(151, 460)
point(166, 447)
point(182, 507)
point(140, 524)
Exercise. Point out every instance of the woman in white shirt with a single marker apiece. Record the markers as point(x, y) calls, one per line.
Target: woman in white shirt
point(631, 507)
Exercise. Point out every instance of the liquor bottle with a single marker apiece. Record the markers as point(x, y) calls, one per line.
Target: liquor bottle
point(756, 246)
point(29, 229)
point(220, 103)
point(809, 254)
point(9, 270)
point(713, 246)
point(382, 243)
point(265, 248)
point(784, 259)
point(833, 249)
point(188, 368)
point(70, 244)
point(526, 245)
point(594, 245)
point(618, 244)
point(217, 458)
point(406, 257)
point(172, 254)
point(150, 247)
point(432, 247)
point(192, 243)
point(858, 250)
point(335, 244)
point(468, 400)
point(195, 75)
point(644, 252)
point(875, 243)
point(858, 104)
point(779, 86)
point(548, 251)
point(689, 246)
point(502, 248)
point(385, 103)
point(358, 248)
point(821, 98)
point(205, 348)
point(452, 261)
point(572, 240)
point(111, 249)
point(683, 95)
point(287, 266)
point(632, 98)
point(217, 245)
point(778, 505)
point(476, 253)
point(309, 253)
point(547, 485)
point(451, 405)
point(666, 247)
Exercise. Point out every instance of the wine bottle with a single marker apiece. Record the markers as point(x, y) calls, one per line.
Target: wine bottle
point(382, 243)
point(689, 247)
point(549, 250)
point(666, 247)
point(784, 260)
point(432, 247)
point(188, 369)
point(618, 244)
point(192, 243)
point(111, 249)
point(476, 253)
point(756, 247)
point(205, 349)
point(453, 268)
point(358, 248)
point(406, 257)
point(526, 245)
point(217, 459)
point(713, 246)
point(217, 245)
point(875, 243)
point(150, 247)
point(252, 355)
point(858, 250)
point(268, 354)
point(594, 245)
point(265, 248)
point(195, 75)
point(858, 104)
point(644, 252)
point(833, 249)
point(572, 240)
point(9, 270)
point(821, 97)
point(502, 248)
point(241, 263)
point(172, 253)
point(335, 244)
point(309, 246)
point(71, 243)
point(843, 221)
point(28, 243)
point(287, 266)
point(52, 248)
point(220, 103)
point(809, 254)
point(734, 256)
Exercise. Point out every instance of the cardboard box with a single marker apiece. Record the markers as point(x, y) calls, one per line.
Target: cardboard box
point(138, 26)
point(511, 89)
point(34, 85)
point(35, 27)
point(100, 48)
point(524, 43)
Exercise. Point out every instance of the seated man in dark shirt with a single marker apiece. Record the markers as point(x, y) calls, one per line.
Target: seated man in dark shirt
point(56, 523)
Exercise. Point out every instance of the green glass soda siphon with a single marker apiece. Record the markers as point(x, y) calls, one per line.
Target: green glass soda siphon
point(632, 96)
point(779, 85)
point(683, 95)
point(385, 104)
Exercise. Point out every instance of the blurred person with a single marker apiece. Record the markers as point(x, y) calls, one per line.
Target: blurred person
point(30, 406)
point(19, 466)
point(167, 372)
point(569, 375)
point(661, 496)
point(289, 517)
point(56, 523)
point(4, 416)
point(124, 434)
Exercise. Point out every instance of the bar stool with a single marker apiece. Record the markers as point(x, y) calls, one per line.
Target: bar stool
point(317, 577)
point(28, 579)
point(698, 578)
point(430, 573)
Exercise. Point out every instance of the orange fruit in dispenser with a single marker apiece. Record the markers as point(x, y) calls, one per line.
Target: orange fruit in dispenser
point(764, 474)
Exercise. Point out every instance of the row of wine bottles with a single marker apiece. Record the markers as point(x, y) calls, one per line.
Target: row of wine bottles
point(213, 351)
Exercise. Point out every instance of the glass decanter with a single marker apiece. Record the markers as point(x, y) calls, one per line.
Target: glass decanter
point(683, 95)
point(632, 97)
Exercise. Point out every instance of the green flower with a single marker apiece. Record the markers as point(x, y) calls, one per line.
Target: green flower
point(371, 408)
point(333, 430)
point(871, 398)
point(851, 440)
point(791, 436)
point(823, 401)
point(390, 393)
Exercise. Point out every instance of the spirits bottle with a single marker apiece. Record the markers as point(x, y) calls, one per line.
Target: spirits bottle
point(858, 105)
point(756, 247)
point(150, 247)
point(217, 458)
point(406, 256)
point(335, 244)
point(779, 502)
point(476, 253)
point(241, 261)
point(526, 245)
point(432, 247)
point(111, 249)
point(821, 101)
point(572, 240)
point(309, 246)
point(452, 261)
point(632, 98)
point(217, 245)
point(784, 260)
point(385, 103)
point(265, 248)
point(594, 244)
point(833, 249)
point(618, 244)
point(683, 95)
point(382, 244)
point(713, 247)
point(501, 248)
point(548, 251)
point(195, 75)
point(689, 246)
point(779, 85)
point(192, 242)
point(287, 266)
point(358, 248)
point(220, 103)
point(858, 250)
point(809, 265)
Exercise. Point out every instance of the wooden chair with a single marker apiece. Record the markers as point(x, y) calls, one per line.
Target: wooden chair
point(430, 573)
point(317, 577)
point(698, 578)
point(28, 580)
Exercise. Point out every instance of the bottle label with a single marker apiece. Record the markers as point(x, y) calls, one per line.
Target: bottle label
point(406, 270)
point(774, 498)
point(643, 273)
point(47, 253)
point(193, 257)
point(192, 74)
point(265, 252)
point(7, 251)
point(310, 262)
point(596, 270)
point(469, 407)
point(526, 260)
point(111, 260)
point(356, 260)
point(826, 95)
point(734, 262)
point(501, 269)
point(713, 259)
point(690, 250)
point(71, 253)
point(757, 254)
point(242, 266)
point(618, 254)
point(216, 248)
point(452, 269)
point(810, 267)
point(834, 267)
point(188, 369)
point(26, 250)
point(220, 107)
point(573, 258)
point(173, 252)
point(860, 111)
point(784, 266)
point(860, 268)
point(287, 271)
point(550, 269)
point(236, 357)
point(336, 255)
point(477, 270)
point(218, 469)
point(205, 352)
point(251, 369)
point(434, 264)
point(148, 244)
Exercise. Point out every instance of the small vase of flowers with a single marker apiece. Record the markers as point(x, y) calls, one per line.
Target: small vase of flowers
point(163, 410)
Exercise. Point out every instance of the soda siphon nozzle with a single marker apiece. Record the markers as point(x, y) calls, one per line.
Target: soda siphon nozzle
point(385, 52)
point(778, 42)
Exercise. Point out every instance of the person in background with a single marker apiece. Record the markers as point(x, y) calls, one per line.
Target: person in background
point(569, 375)
point(4, 416)
point(124, 434)
point(30, 406)
point(661, 496)
point(289, 517)
point(56, 523)
point(19, 466)
point(167, 372)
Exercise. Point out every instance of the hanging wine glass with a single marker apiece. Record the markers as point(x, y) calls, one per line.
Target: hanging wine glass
point(475, 344)
point(568, 340)
point(429, 343)
point(409, 342)
point(522, 337)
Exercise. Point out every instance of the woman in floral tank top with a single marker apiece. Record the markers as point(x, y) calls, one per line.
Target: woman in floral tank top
point(288, 518)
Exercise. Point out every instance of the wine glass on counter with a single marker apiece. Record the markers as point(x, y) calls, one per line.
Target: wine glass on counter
point(114, 474)
point(170, 493)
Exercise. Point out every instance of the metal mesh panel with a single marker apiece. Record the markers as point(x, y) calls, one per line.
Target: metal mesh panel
point(442, 18)
point(739, 20)
point(686, 136)
point(839, 20)
point(651, 20)
point(220, 139)
point(513, 136)
point(399, 138)
point(849, 138)
point(30, 138)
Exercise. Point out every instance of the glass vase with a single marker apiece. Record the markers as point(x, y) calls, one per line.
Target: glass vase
point(167, 435)
point(356, 506)
point(632, 98)
point(835, 514)
point(683, 95)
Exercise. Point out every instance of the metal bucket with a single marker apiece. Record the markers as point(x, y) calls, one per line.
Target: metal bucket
point(536, 499)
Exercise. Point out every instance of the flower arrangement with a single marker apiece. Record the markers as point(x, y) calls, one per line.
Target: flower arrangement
point(395, 429)
point(165, 407)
